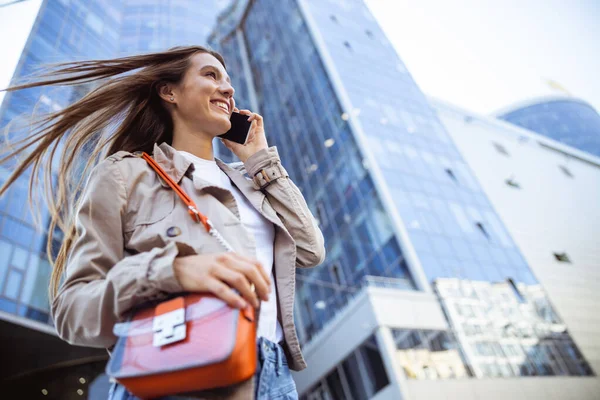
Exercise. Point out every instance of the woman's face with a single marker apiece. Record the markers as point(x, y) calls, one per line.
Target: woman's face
point(204, 97)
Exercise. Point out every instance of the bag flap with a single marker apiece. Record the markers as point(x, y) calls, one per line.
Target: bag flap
point(210, 337)
point(142, 323)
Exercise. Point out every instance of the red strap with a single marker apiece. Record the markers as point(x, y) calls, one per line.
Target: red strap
point(192, 209)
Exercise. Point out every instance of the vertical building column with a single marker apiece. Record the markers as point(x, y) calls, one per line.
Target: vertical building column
point(387, 347)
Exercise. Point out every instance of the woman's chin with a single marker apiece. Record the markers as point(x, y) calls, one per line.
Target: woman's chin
point(224, 127)
point(216, 128)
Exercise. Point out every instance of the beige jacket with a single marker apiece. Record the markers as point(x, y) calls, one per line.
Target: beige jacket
point(124, 256)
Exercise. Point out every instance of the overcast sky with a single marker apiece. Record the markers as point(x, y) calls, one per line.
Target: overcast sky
point(483, 55)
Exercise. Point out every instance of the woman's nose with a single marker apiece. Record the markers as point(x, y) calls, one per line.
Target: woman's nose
point(227, 89)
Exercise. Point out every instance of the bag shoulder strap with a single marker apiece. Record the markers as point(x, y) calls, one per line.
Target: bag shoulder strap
point(192, 209)
point(196, 215)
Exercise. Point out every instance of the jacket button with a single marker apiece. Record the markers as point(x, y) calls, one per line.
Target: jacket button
point(173, 231)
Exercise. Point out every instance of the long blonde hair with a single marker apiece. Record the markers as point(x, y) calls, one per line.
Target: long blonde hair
point(124, 112)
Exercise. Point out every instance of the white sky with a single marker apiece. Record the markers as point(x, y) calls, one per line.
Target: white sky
point(16, 22)
point(487, 54)
point(481, 55)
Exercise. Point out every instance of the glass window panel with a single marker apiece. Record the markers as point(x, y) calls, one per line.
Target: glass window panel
point(496, 226)
point(374, 368)
point(17, 232)
point(441, 245)
point(431, 221)
point(334, 383)
point(8, 306)
point(482, 253)
point(35, 288)
point(409, 217)
point(515, 258)
point(462, 249)
point(420, 241)
point(419, 200)
point(391, 251)
point(13, 284)
point(19, 258)
point(411, 183)
point(5, 253)
point(430, 187)
point(432, 267)
point(352, 370)
point(461, 218)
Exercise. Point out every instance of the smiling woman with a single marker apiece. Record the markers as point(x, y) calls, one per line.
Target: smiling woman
point(130, 240)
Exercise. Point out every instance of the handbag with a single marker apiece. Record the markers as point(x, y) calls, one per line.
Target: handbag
point(193, 343)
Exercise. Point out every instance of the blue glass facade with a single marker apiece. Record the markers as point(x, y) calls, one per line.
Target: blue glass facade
point(155, 25)
point(303, 118)
point(374, 162)
point(450, 222)
point(63, 30)
point(570, 121)
point(376, 166)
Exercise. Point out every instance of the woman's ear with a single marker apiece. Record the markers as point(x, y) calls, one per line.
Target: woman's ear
point(165, 91)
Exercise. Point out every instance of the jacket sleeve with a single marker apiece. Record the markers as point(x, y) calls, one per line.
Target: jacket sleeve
point(269, 175)
point(101, 283)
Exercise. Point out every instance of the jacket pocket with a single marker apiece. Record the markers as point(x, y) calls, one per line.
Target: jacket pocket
point(176, 226)
point(152, 208)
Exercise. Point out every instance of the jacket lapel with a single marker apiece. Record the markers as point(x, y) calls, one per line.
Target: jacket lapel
point(178, 166)
point(245, 186)
point(173, 163)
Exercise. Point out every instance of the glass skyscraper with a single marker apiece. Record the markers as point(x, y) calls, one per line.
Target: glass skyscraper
point(392, 194)
point(64, 30)
point(398, 205)
point(156, 25)
point(67, 30)
point(569, 120)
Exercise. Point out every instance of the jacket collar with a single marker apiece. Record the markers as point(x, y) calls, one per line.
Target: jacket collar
point(177, 166)
point(174, 164)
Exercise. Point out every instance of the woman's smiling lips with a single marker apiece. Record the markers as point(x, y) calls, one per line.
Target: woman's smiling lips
point(219, 104)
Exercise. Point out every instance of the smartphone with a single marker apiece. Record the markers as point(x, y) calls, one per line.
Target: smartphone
point(240, 128)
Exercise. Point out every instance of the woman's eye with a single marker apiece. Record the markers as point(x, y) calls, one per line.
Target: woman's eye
point(212, 74)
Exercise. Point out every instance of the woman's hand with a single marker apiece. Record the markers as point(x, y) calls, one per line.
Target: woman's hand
point(256, 138)
point(220, 273)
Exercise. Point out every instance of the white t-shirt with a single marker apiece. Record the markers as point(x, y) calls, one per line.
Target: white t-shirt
point(259, 227)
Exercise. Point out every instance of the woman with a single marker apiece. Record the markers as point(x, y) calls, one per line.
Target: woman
point(131, 239)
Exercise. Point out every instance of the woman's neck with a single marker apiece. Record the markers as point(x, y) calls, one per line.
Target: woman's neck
point(196, 143)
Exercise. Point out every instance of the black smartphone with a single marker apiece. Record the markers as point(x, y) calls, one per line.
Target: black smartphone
point(240, 128)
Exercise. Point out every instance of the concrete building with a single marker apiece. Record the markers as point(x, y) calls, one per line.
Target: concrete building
point(547, 195)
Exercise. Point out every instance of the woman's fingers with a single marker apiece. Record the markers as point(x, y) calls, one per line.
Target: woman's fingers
point(260, 268)
point(251, 273)
point(225, 293)
point(238, 281)
point(220, 274)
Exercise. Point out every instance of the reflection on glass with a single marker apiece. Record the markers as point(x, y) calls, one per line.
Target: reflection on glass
point(507, 328)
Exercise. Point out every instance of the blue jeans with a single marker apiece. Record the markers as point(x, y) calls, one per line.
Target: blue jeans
point(273, 380)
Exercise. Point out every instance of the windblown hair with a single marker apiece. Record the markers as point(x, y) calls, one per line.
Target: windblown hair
point(123, 112)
